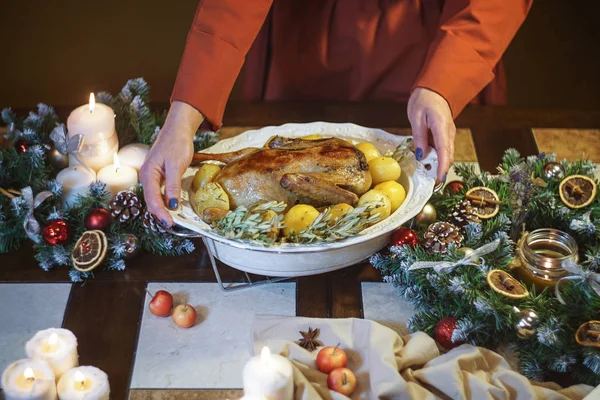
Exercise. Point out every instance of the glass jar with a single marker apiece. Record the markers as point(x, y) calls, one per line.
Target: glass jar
point(541, 255)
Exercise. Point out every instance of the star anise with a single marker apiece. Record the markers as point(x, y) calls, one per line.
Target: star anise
point(309, 339)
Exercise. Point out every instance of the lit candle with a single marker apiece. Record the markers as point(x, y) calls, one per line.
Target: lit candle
point(89, 383)
point(56, 346)
point(96, 122)
point(75, 182)
point(269, 375)
point(134, 155)
point(118, 177)
point(29, 379)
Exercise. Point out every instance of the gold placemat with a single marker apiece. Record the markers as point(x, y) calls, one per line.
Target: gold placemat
point(463, 144)
point(141, 394)
point(571, 144)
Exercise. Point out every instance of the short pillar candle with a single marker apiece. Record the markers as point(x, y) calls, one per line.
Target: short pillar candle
point(29, 379)
point(84, 383)
point(56, 346)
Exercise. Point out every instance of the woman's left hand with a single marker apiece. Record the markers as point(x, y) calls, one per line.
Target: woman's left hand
point(427, 111)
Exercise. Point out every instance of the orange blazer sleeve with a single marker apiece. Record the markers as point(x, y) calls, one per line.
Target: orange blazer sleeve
point(220, 37)
point(473, 35)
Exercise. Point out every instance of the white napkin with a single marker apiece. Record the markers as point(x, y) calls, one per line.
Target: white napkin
point(388, 366)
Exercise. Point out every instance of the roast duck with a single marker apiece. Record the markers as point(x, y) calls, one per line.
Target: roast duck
point(294, 171)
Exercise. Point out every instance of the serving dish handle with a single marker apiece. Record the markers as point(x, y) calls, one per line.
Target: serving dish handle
point(209, 245)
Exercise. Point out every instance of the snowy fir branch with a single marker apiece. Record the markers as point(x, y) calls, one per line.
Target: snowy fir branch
point(135, 121)
point(487, 318)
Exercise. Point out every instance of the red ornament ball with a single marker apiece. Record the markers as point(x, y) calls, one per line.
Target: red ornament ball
point(443, 332)
point(22, 145)
point(56, 233)
point(454, 187)
point(404, 236)
point(98, 219)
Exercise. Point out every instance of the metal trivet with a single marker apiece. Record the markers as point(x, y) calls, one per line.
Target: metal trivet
point(215, 266)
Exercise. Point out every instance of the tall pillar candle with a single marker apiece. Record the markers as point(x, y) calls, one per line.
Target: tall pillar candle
point(96, 123)
point(270, 376)
point(75, 181)
point(58, 347)
point(29, 379)
point(84, 383)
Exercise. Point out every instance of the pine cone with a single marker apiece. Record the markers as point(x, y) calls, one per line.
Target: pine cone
point(125, 206)
point(151, 223)
point(440, 235)
point(464, 213)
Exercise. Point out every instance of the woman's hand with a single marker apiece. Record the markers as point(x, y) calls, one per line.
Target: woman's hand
point(168, 159)
point(427, 110)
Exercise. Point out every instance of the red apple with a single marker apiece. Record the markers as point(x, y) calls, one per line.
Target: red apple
point(330, 358)
point(342, 380)
point(161, 303)
point(184, 316)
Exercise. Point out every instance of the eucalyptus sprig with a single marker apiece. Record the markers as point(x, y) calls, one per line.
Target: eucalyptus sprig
point(261, 224)
point(258, 224)
point(347, 225)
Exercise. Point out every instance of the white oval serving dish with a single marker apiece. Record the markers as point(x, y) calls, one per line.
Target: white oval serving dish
point(293, 260)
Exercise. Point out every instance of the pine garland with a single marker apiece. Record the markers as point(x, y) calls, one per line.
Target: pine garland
point(135, 121)
point(487, 318)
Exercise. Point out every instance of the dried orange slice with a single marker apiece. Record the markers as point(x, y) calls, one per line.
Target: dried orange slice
point(485, 201)
point(89, 251)
point(577, 191)
point(588, 334)
point(502, 282)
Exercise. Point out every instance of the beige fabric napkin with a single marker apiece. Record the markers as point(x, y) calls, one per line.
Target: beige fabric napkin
point(388, 366)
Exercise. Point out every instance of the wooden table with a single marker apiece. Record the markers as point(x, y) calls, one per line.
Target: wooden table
point(107, 310)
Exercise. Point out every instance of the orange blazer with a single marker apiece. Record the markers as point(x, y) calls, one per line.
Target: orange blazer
point(346, 50)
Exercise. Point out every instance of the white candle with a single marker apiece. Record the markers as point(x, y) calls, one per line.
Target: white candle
point(269, 375)
point(75, 181)
point(29, 379)
point(56, 346)
point(134, 155)
point(89, 383)
point(118, 177)
point(96, 122)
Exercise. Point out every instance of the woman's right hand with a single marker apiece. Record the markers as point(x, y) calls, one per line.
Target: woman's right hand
point(168, 159)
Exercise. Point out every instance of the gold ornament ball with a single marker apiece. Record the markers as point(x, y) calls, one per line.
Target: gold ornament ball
point(466, 251)
point(57, 160)
point(527, 324)
point(427, 216)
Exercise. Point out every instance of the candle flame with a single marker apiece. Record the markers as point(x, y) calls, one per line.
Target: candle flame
point(53, 339)
point(28, 374)
point(116, 162)
point(92, 104)
point(265, 354)
point(79, 377)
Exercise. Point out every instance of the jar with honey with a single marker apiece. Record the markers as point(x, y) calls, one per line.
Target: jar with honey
point(540, 255)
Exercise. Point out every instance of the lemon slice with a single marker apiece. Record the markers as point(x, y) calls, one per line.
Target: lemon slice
point(502, 282)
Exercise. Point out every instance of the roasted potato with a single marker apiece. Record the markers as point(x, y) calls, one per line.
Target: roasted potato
point(299, 218)
point(269, 216)
point(375, 196)
point(205, 174)
point(338, 210)
point(315, 136)
point(368, 150)
point(209, 196)
point(394, 191)
point(384, 169)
